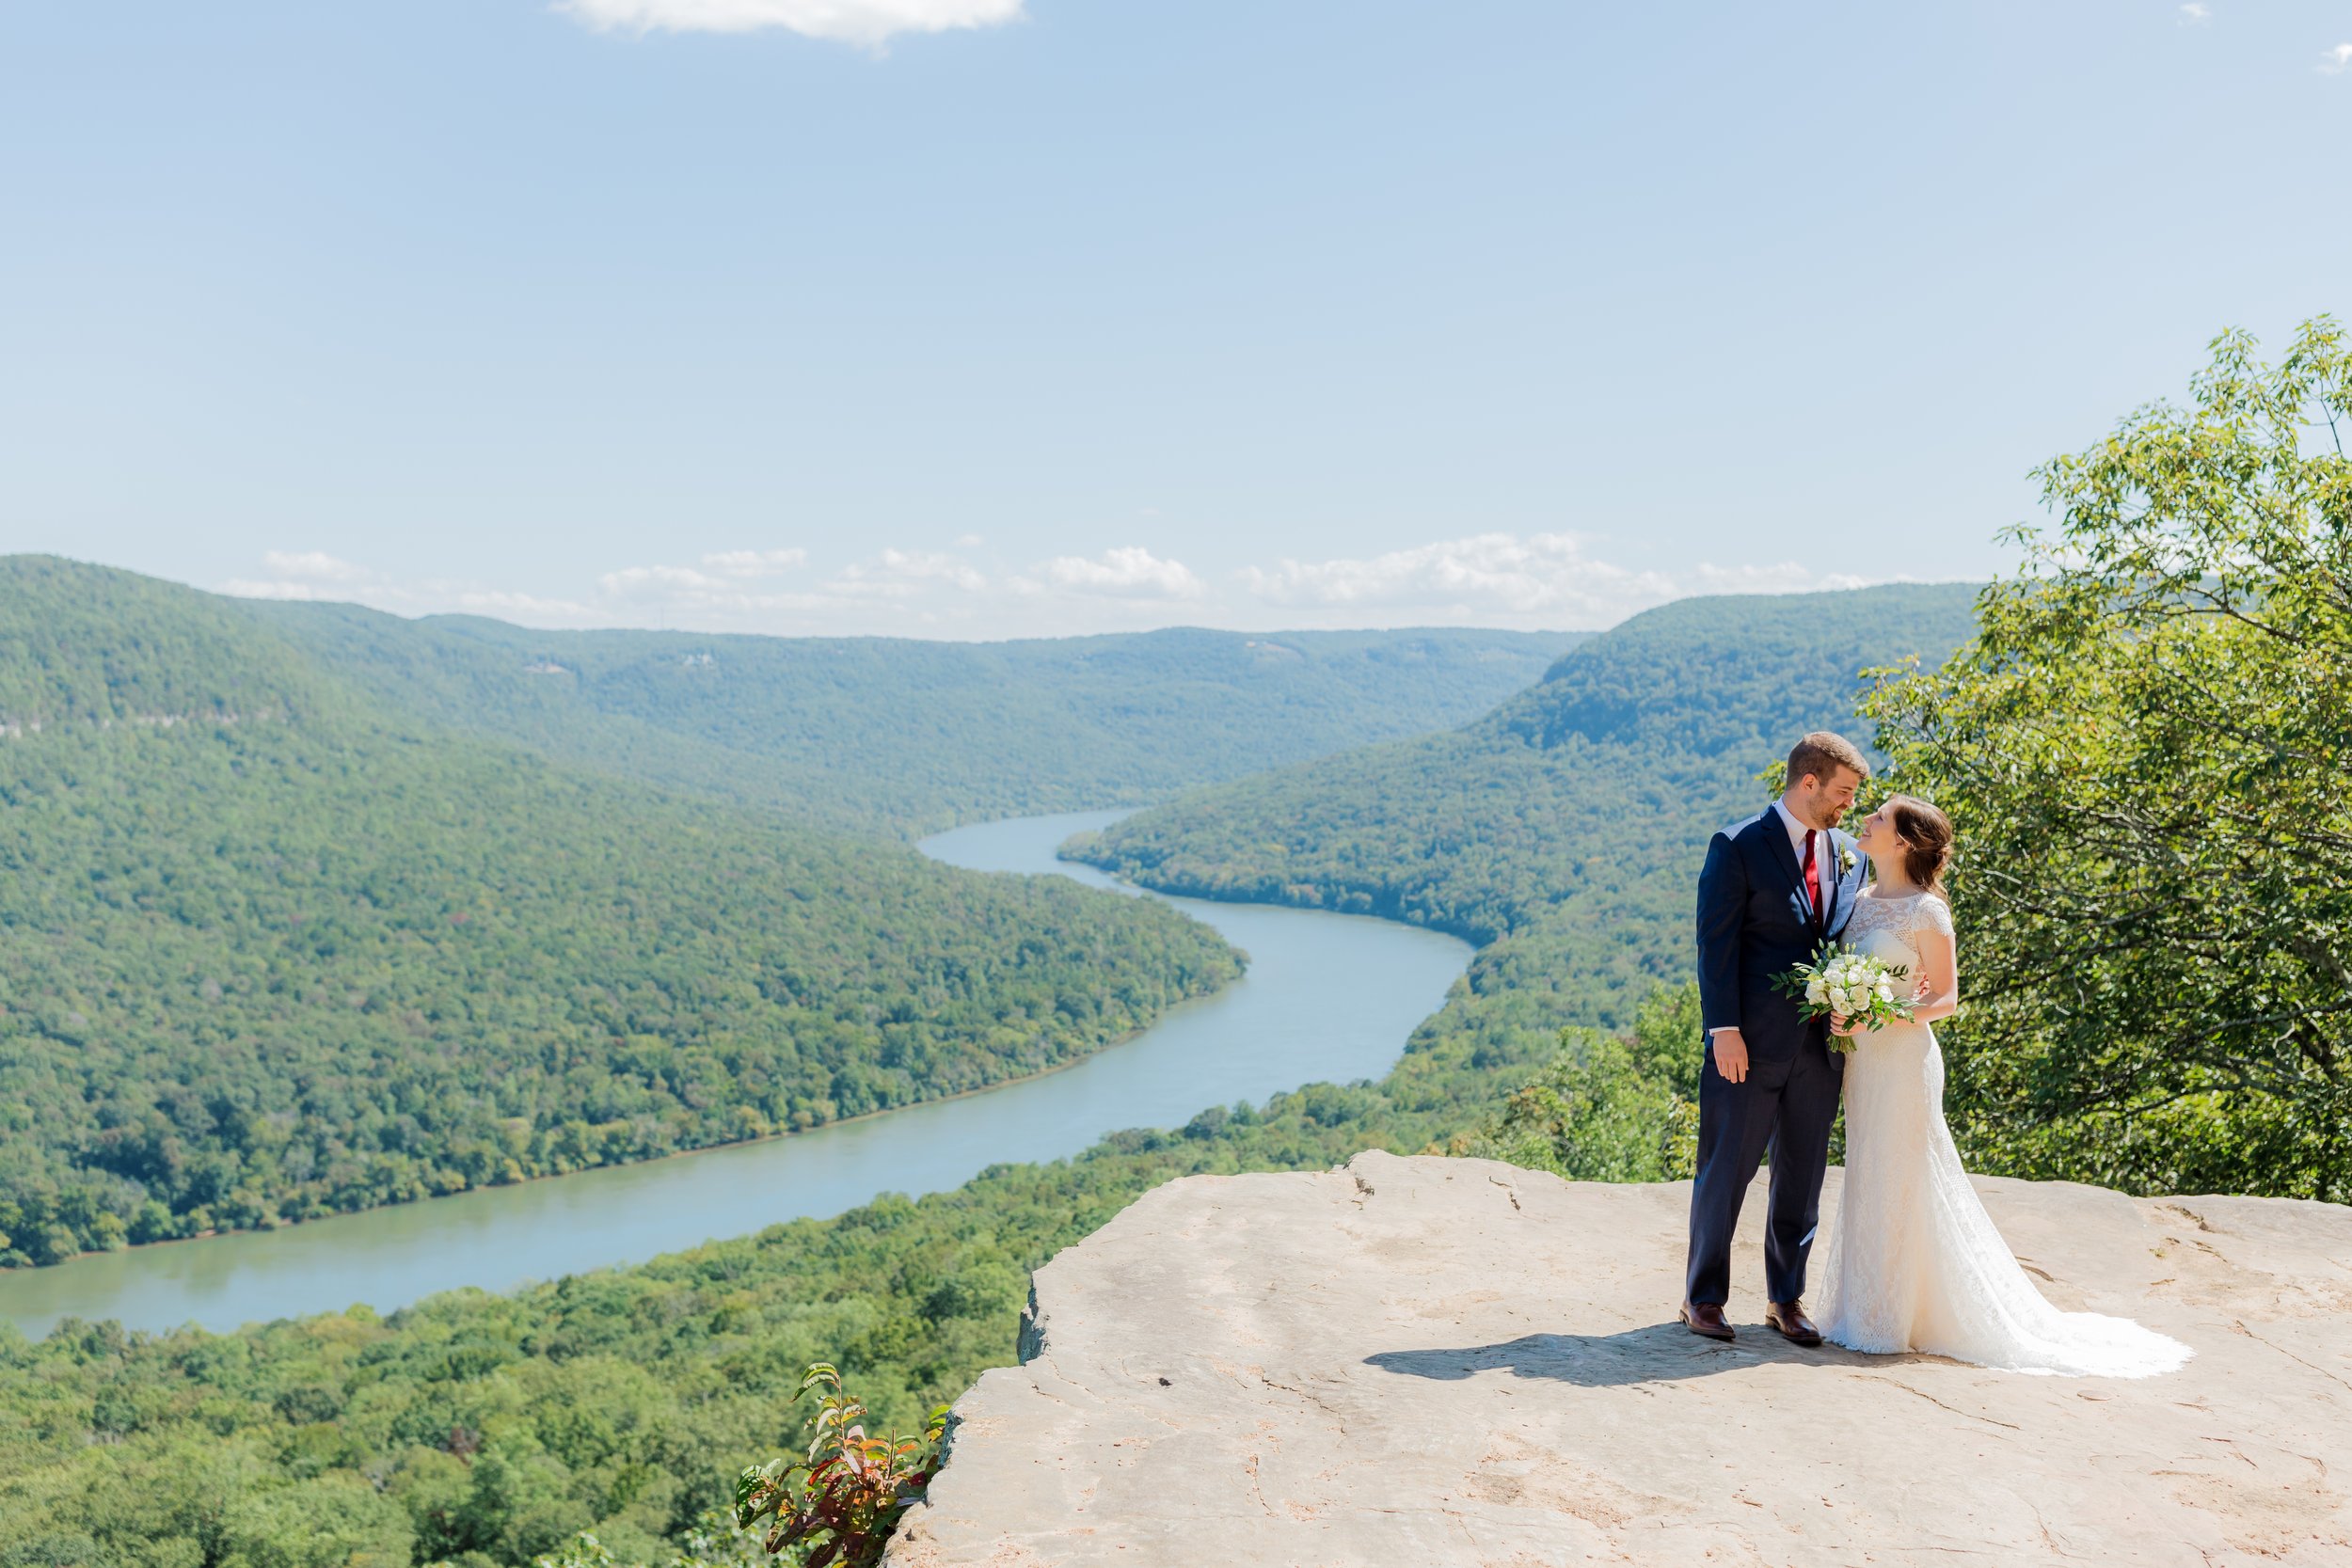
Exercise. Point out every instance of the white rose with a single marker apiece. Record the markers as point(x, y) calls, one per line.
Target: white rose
point(1838, 998)
point(1886, 993)
point(1815, 991)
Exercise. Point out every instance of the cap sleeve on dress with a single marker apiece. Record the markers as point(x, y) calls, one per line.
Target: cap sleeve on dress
point(1938, 913)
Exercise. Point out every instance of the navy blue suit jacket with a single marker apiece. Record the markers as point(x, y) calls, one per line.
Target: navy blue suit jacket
point(1755, 924)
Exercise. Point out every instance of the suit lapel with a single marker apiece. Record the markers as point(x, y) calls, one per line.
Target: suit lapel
point(1843, 906)
point(1776, 834)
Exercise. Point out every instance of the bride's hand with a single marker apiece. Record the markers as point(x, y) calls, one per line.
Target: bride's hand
point(1841, 1026)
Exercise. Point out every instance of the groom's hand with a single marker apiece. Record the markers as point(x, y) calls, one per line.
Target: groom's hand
point(1731, 1055)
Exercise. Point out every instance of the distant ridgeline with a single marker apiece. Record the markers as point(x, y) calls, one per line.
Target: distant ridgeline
point(1562, 831)
point(277, 949)
point(899, 737)
point(484, 1429)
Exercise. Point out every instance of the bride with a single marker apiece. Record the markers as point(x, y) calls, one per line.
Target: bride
point(1915, 1262)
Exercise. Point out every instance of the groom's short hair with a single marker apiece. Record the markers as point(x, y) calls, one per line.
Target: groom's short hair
point(1821, 754)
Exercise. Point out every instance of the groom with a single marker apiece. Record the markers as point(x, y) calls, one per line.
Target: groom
point(1774, 888)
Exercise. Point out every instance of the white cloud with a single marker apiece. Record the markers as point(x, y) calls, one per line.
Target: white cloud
point(316, 574)
point(869, 22)
point(897, 574)
point(1544, 577)
point(755, 563)
point(1536, 581)
point(272, 588)
point(2193, 13)
point(654, 583)
point(727, 592)
point(312, 566)
point(505, 604)
point(2337, 59)
point(1130, 571)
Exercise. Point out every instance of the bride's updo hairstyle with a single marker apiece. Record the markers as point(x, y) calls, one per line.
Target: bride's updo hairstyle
point(1927, 838)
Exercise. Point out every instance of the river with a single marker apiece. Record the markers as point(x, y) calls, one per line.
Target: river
point(1327, 997)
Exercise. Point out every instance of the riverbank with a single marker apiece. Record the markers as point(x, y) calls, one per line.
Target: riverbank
point(1325, 998)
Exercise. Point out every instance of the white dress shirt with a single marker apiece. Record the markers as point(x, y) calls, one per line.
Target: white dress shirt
point(1796, 837)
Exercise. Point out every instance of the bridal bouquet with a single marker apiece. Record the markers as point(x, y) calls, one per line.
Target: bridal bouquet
point(1843, 983)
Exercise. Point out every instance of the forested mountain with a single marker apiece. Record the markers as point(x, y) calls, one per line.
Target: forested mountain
point(274, 951)
point(1562, 831)
point(485, 1428)
point(896, 736)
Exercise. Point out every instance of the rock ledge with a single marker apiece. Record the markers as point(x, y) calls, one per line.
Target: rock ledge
point(1431, 1361)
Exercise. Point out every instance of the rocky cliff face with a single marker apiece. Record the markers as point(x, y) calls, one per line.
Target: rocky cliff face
point(1431, 1361)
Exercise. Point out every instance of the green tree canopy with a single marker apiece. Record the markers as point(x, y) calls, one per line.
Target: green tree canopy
point(2146, 751)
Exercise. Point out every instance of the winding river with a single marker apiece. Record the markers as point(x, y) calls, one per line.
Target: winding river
point(1327, 997)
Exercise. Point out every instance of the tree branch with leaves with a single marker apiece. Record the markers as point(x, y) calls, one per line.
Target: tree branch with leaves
point(2147, 749)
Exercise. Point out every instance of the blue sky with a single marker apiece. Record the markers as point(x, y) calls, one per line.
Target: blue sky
point(983, 317)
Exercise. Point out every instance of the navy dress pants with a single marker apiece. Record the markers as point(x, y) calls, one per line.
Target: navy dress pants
point(1786, 1106)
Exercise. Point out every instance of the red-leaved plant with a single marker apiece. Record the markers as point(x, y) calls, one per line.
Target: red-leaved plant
point(837, 1504)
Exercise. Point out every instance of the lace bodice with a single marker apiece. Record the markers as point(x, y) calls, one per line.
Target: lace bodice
point(1898, 922)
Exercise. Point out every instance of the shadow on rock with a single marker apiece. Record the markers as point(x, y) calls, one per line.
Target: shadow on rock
point(1661, 1353)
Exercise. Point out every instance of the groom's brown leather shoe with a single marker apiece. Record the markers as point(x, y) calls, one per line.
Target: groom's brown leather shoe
point(1795, 1327)
point(1706, 1319)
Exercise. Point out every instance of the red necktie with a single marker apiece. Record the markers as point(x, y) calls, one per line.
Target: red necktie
point(1813, 877)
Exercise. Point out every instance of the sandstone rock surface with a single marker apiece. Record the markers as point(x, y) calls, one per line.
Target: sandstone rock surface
point(1430, 1361)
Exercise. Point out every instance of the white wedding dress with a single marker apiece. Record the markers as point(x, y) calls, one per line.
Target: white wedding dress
point(1915, 1262)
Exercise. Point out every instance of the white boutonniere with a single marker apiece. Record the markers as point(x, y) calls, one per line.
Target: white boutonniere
point(1846, 862)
